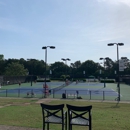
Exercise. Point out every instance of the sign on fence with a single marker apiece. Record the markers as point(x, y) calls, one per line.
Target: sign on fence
point(121, 65)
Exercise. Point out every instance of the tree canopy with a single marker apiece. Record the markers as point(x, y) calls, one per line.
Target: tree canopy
point(20, 67)
point(15, 69)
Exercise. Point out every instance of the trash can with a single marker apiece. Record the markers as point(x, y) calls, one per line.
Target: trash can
point(63, 95)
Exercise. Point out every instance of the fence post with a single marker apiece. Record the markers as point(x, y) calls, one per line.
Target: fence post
point(65, 93)
point(42, 94)
point(6, 92)
point(53, 93)
point(90, 94)
point(103, 95)
point(32, 93)
point(18, 92)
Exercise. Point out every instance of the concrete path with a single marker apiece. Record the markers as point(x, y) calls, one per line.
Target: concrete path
point(3, 127)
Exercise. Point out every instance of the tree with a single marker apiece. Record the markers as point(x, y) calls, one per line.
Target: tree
point(77, 64)
point(15, 69)
point(110, 68)
point(58, 69)
point(35, 67)
point(2, 67)
point(90, 67)
point(1, 57)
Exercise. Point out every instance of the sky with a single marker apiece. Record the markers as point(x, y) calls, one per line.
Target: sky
point(79, 29)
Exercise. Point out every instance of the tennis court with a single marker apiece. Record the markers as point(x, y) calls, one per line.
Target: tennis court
point(91, 91)
point(87, 91)
point(24, 88)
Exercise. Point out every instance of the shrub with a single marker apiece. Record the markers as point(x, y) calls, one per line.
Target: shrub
point(42, 80)
point(107, 80)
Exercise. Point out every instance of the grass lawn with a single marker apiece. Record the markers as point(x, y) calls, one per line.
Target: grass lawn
point(27, 113)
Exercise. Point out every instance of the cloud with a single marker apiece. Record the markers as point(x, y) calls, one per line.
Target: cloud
point(126, 2)
point(116, 2)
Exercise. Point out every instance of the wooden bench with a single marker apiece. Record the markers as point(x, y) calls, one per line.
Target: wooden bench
point(69, 95)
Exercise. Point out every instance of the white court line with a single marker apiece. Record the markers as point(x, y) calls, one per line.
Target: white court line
point(116, 92)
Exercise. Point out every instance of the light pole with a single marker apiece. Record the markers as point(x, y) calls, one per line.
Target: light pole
point(31, 70)
point(45, 48)
point(104, 68)
point(65, 62)
point(118, 75)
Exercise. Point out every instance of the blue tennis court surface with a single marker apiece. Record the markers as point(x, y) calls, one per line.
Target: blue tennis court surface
point(36, 88)
point(86, 89)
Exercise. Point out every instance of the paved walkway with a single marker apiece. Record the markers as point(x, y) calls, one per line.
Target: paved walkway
point(3, 127)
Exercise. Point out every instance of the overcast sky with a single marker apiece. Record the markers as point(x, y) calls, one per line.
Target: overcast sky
point(79, 29)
